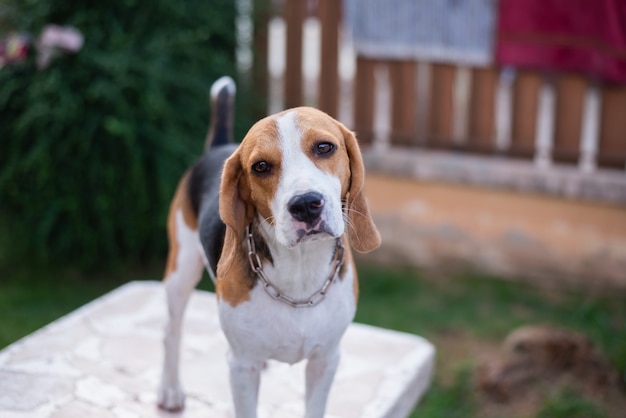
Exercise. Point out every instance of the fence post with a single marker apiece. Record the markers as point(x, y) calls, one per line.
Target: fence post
point(441, 107)
point(526, 87)
point(612, 139)
point(403, 102)
point(504, 109)
point(460, 107)
point(570, 92)
point(329, 12)
point(295, 11)
point(260, 41)
point(590, 130)
point(544, 134)
point(482, 109)
point(364, 88)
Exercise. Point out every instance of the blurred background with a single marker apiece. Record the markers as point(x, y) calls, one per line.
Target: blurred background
point(494, 133)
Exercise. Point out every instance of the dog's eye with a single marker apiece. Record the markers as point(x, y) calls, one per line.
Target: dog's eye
point(261, 167)
point(324, 148)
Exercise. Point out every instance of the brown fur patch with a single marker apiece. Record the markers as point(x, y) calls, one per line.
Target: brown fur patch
point(234, 285)
point(243, 195)
point(261, 144)
point(181, 202)
point(349, 261)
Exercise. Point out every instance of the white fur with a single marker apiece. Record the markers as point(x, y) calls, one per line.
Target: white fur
point(223, 82)
point(287, 334)
point(300, 175)
point(178, 286)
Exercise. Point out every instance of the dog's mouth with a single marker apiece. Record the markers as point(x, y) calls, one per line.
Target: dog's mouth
point(315, 232)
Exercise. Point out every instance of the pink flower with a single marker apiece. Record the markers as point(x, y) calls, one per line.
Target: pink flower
point(13, 49)
point(54, 39)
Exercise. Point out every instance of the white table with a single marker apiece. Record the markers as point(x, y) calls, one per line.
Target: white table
point(104, 360)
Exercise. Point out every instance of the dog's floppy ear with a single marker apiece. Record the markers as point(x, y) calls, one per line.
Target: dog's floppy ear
point(235, 209)
point(362, 232)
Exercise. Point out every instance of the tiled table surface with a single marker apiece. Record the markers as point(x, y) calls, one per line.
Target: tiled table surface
point(104, 360)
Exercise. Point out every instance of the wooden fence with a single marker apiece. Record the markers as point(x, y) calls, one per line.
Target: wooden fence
point(563, 118)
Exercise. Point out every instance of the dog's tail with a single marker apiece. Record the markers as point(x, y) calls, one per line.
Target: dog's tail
point(222, 113)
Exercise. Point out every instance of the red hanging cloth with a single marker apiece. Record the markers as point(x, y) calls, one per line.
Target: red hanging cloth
point(586, 36)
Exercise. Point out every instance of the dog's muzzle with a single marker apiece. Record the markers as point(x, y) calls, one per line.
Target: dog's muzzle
point(308, 215)
point(307, 208)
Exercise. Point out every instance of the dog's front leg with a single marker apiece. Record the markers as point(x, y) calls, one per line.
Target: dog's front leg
point(320, 371)
point(244, 383)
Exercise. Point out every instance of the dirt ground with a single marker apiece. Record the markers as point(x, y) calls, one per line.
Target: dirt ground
point(548, 240)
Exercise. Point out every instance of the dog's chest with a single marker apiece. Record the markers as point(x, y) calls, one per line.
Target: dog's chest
point(263, 327)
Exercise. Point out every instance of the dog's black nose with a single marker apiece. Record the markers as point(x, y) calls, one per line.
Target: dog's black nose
point(306, 207)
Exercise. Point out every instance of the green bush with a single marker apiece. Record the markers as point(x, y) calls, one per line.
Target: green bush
point(92, 147)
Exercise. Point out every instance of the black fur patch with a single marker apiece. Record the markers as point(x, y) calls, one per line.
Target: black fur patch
point(262, 248)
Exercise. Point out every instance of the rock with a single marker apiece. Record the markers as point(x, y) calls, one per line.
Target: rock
point(544, 354)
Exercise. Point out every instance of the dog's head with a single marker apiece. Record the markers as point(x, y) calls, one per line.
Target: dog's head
point(301, 173)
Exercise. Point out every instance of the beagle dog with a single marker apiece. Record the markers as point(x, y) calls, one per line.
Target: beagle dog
point(275, 218)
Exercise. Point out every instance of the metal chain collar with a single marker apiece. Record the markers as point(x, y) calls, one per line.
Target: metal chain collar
point(275, 293)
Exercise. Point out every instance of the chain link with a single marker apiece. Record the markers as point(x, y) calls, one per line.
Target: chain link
point(275, 293)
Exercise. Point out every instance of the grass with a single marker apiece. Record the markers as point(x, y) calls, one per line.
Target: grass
point(465, 317)
point(31, 297)
point(568, 404)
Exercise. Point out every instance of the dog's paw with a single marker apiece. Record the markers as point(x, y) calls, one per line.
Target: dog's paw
point(171, 398)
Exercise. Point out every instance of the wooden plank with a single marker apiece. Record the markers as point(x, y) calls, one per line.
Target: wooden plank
point(329, 14)
point(482, 109)
point(590, 130)
point(525, 102)
point(260, 73)
point(439, 131)
point(612, 152)
point(504, 109)
point(544, 129)
point(364, 96)
point(570, 98)
point(295, 11)
point(461, 100)
point(403, 102)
